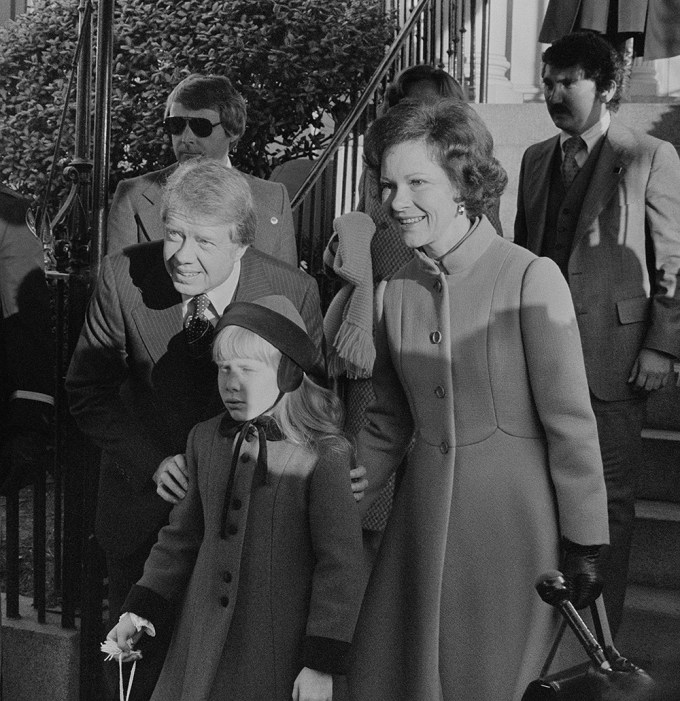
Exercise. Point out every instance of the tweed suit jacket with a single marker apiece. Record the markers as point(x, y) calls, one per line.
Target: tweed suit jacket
point(135, 391)
point(135, 214)
point(625, 257)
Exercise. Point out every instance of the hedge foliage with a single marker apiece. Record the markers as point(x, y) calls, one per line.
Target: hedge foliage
point(297, 62)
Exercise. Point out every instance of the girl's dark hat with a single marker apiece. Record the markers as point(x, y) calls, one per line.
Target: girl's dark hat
point(276, 319)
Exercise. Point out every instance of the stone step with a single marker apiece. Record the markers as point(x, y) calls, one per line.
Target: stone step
point(39, 660)
point(660, 474)
point(650, 629)
point(655, 552)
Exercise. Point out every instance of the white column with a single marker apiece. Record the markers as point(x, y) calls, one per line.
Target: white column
point(668, 73)
point(525, 51)
point(500, 89)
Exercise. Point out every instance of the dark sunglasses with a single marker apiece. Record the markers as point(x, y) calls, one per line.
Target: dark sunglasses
point(201, 126)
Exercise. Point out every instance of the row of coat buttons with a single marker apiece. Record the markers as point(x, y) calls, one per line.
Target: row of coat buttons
point(439, 391)
point(224, 600)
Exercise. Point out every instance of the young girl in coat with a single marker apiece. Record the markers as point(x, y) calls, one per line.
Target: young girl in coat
point(264, 551)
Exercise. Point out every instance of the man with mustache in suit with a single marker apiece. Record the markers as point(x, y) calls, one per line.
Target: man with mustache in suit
point(603, 201)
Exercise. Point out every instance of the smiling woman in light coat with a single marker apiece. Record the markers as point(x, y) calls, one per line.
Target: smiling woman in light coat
point(479, 360)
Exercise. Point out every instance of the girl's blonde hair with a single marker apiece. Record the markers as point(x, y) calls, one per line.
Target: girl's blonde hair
point(310, 416)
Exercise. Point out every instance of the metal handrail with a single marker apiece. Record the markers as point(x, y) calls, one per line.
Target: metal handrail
point(345, 128)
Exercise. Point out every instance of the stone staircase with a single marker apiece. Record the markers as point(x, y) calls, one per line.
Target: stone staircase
point(650, 631)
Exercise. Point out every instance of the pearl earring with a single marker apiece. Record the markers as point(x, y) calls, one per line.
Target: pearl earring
point(461, 208)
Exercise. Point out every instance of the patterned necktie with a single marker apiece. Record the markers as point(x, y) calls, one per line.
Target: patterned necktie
point(198, 329)
point(570, 167)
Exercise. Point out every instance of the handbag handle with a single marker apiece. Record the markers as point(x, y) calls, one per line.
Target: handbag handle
point(602, 633)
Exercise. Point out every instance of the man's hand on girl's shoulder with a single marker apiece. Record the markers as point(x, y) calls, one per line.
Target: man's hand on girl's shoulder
point(359, 482)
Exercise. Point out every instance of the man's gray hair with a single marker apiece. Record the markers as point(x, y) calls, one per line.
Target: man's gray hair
point(206, 188)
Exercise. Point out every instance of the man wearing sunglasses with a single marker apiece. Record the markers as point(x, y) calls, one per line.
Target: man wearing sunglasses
point(204, 117)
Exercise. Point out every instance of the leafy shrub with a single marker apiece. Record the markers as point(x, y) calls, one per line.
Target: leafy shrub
point(298, 63)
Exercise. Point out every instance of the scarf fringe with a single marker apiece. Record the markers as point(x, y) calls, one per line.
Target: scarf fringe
point(352, 352)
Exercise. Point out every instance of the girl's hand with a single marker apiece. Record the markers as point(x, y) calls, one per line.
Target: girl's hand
point(311, 685)
point(125, 635)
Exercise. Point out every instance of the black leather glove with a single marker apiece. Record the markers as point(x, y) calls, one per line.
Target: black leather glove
point(23, 455)
point(583, 570)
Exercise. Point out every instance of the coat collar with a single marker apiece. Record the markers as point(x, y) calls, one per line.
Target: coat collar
point(614, 158)
point(254, 281)
point(156, 180)
point(462, 257)
point(151, 195)
point(537, 173)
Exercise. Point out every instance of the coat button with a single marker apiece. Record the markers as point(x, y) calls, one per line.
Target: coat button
point(438, 285)
point(236, 504)
point(444, 447)
point(274, 220)
point(439, 392)
point(233, 529)
point(435, 337)
point(224, 601)
point(226, 577)
point(245, 458)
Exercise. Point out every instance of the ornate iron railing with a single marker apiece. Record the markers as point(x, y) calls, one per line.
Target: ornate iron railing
point(439, 32)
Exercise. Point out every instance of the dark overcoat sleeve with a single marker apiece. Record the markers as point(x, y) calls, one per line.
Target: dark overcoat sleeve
point(27, 352)
point(337, 583)
point(98, 369)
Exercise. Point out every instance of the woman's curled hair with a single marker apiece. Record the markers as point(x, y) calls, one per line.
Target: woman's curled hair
point(458, 141)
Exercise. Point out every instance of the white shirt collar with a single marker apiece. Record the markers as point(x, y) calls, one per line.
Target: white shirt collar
point(219, 297)
point(590, 136)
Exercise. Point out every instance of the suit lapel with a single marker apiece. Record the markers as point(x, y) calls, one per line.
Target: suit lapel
point(612, 163)
point(159, 316)
point(537, 186)
point(253, 282)
point(148, 206)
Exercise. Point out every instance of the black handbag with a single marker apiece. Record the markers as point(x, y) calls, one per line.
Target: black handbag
point(584, 682)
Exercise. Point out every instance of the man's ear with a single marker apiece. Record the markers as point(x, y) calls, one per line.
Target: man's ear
point(608, 93)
